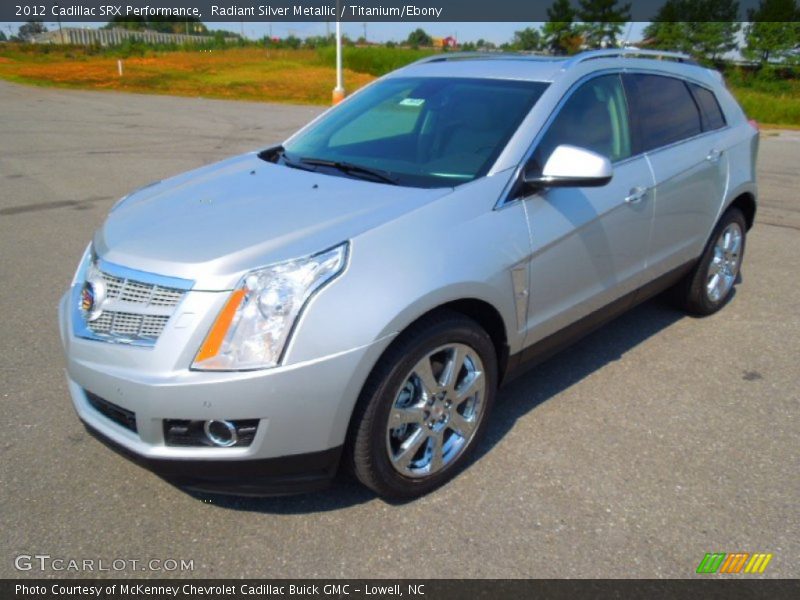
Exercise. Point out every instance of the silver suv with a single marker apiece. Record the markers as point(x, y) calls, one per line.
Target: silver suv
point(358, 293)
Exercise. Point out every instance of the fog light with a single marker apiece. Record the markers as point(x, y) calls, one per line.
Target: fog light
point(198, 434)
point(221, 433)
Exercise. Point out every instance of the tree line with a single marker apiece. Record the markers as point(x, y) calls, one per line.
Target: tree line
point(706, 29)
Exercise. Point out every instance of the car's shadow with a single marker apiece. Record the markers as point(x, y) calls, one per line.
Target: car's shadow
point(515, 400)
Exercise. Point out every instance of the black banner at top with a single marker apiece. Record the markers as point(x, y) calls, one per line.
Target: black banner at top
point(352, 10)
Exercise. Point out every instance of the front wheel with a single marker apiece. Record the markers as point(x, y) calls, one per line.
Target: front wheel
point(425, 407)
point(710, 284)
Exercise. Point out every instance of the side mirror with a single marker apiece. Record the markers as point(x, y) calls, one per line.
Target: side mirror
point(570, 166)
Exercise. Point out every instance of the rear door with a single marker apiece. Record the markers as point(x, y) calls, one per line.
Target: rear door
point(683, 146)
point(589, 244)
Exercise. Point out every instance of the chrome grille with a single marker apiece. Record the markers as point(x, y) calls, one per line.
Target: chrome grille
point(129, 325)
point(152, 325)
point(129, 290)
point(135, 306)
point(113, 285)
point(165, 296)
point(103, 323)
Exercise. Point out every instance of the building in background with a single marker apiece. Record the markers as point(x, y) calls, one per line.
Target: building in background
point(113, 37)
point(445, 42)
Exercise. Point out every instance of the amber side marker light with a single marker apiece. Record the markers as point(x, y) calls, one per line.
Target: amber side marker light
point(215, 337)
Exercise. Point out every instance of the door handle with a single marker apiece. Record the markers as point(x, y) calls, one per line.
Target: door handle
point(636, 195)
point(713, 155)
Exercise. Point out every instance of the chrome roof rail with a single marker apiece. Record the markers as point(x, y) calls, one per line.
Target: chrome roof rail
point(445, 56)
point(454, 56)
point(629, 52)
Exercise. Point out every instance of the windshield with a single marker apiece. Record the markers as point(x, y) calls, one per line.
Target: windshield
point(422, 132)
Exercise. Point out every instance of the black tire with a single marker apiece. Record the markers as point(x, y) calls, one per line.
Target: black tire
point(691, 293)
point(369, 438)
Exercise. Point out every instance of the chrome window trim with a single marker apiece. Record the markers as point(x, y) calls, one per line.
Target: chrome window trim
point(684, 140)
point(505, 200)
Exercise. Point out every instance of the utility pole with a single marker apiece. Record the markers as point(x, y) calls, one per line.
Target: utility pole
point(338, 91)
point(365, 32)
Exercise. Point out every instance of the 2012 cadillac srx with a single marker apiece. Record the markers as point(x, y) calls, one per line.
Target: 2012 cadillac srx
point(357, 293)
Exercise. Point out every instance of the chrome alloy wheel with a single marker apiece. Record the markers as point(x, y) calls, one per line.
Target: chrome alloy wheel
point(724, 266)
point(436, 411)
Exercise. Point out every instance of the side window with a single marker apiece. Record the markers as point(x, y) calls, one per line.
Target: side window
point(594, 117)
point(709, 107)
point(664, 108)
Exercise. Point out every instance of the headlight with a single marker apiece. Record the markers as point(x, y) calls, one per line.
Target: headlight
point(253, 327)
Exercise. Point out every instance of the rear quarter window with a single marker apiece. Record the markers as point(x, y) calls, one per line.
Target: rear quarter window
point(709, 108)
point(664, 109)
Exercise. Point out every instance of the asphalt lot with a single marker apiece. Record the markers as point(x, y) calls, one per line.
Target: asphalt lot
point(655, 440)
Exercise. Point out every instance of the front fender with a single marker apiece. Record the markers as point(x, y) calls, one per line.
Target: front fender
point(455, 248)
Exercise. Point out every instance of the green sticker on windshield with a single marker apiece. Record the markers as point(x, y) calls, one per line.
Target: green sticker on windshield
point(412, 102)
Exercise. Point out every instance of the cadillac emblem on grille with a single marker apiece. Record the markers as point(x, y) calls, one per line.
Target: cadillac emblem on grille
point(92, 296)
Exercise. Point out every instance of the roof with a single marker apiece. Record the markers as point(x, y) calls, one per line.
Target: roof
point(491, 65)
point(535, 67)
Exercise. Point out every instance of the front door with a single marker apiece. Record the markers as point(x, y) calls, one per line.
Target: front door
point(589, 245)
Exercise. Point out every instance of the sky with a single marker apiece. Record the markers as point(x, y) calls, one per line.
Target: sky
point(377, 32)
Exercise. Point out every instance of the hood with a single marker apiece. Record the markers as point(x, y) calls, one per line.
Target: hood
point(212, 224)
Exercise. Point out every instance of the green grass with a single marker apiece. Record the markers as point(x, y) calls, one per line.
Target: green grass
point(283, 75)
point(768, 98)
point(374, 60)
point(769, 109)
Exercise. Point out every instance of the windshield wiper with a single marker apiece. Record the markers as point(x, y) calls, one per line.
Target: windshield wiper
point(350, 169)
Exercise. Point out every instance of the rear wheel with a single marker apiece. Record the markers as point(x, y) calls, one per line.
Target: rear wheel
point(425, 407)
point(710, 284)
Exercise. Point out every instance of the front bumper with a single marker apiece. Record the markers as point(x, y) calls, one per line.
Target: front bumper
point(294, 474)
point(303, 412)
